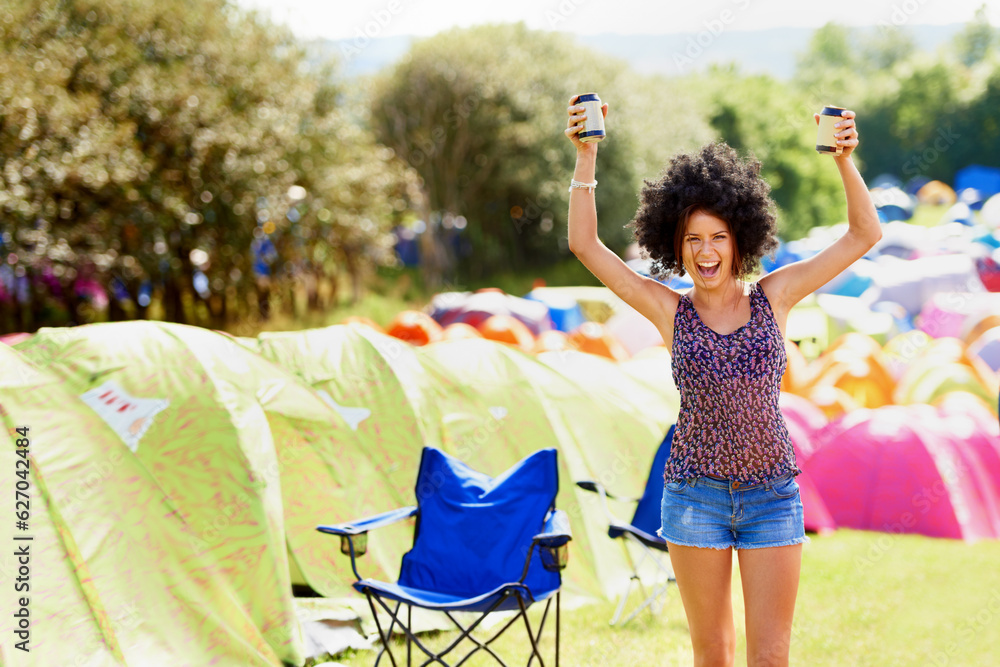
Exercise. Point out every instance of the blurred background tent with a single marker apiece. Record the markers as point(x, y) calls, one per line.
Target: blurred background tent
point(121, 574)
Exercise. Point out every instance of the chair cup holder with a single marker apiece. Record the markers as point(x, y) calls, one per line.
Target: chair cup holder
point(360, 544)
point(555, 559)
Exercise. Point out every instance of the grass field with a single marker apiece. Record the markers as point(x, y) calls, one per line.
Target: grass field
point(865, 598)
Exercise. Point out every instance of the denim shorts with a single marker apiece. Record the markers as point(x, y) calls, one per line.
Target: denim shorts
point(718, 514)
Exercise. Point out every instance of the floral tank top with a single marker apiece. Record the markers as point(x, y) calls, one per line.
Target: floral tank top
point(730, 425)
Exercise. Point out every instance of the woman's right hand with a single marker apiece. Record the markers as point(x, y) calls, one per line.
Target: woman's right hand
point(576, 124)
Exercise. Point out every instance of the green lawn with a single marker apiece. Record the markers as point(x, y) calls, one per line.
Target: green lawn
point(865, 599)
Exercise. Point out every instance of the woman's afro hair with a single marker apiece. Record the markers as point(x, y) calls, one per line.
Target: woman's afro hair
point(718, 181)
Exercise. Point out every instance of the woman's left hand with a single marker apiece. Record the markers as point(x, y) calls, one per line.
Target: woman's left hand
point(847, 132)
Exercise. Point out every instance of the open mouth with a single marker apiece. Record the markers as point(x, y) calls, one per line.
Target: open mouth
point(708, 269)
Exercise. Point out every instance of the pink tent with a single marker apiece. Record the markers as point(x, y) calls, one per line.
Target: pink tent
point(806, 415)
point(804, 419)
point(910, 469)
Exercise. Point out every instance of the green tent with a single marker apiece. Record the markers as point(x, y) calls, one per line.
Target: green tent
point(187, 404)
point(115, 578)
point(385, 404)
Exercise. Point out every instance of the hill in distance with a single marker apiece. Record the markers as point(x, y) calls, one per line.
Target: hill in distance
point(770, 51)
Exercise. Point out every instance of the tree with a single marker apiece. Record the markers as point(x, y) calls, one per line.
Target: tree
point(829, 66)
point(976, 39)
point(146, 146)
point(882, 49)
point(480, 113)
point(764, 117)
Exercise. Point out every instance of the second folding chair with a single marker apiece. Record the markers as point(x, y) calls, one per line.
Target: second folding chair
point(642, 531)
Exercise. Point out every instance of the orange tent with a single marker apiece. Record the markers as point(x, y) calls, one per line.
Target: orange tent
point(593, 338)
point(936, 193)
point(508, 329)
point(414, 327)
point(797, 374)
point(459, 331)
point(552, 341)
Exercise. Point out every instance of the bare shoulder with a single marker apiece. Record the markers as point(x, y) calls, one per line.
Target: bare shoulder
point(669, 299)
point(775, 288)
point(772, 285)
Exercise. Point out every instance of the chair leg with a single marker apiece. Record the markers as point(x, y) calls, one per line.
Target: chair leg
point(465, 633)
point(385, 639)
point(621, 603)
point(558, 623)
point(535, 652)
point(409, 634)
point(653, 601)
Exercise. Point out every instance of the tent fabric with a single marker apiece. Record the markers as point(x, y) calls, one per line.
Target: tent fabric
point(893, 203)
point(391, 403)
point(937, 380)
point(895, 469)
point(936, 193)
point(805, 416)
point(647, 517)
point(122, 578)
point(945, 314)
point(485, 402)
point(233, 477)
point(987, 348)
point(804, 420)
point(594, 338)
point(913, 283)
point(543, 408)
point(564, 311)
point(633, 330)
point(474, 529)
point(982, 178)
point(988, 268)
point(990, 212)
point(474, 308)
point(507, 329)
point(641, 386)
point(414, 327)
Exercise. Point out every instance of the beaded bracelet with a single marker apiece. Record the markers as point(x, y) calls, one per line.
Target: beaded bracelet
point(581, 185)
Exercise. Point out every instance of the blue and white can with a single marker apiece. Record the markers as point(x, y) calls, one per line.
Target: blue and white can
point(593, 128)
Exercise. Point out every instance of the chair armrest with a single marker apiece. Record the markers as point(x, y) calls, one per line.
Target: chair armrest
point(555, 531)
point(354, 535)
point(552, 543)
point(369, 523)
point(596, 487)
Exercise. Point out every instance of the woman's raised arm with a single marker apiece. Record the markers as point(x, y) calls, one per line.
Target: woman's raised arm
point(646, 295)
point(788, 285)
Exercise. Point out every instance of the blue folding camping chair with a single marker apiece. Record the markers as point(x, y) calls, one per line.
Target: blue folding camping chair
point(642, 531)
point(474, 550)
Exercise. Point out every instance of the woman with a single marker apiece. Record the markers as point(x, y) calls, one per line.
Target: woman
point(730, 479)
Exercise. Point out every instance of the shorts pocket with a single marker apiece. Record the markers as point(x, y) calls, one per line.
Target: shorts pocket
point(785, 487)
point(676, 487)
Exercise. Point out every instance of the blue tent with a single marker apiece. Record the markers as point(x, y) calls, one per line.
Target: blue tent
point(982, 178)
point(893, 203)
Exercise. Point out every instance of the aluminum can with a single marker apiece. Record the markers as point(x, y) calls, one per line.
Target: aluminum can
point(593, 128)
point(826, 142)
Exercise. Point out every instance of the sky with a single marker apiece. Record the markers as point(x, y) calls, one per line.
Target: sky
point(340, 19)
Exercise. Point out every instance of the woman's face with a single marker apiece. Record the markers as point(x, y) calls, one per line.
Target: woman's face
point(707, 249)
